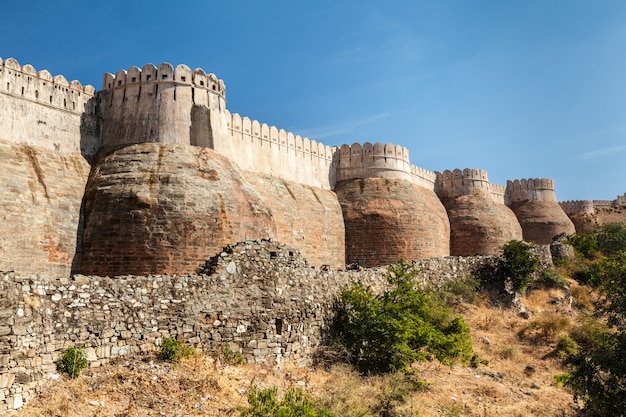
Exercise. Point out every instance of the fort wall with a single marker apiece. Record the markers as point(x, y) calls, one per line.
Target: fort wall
point(456, 183)
point(161, 105)
point(268, 150)
point(45, 111)
point(380, 161)
point(40, 202)
point(531, 189)
point(577, 206)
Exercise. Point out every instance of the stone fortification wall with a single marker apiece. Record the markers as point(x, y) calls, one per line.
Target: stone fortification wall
point(40, 202)
point(480, 223)
point(531, 189)
point(306, 217)
point(534, 203)
point(154, 209)
point(380, 161)
point(161, 105)
point(268, 150)
point(45, 111)
point(388, 219)
point(261, 299)
point(579, 206)
point(456, 183)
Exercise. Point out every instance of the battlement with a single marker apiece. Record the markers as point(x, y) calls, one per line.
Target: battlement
point(541, 189)
point(577, 206)
point(41, 110)
point(165, 73)
point(450, 184)
point(258, 147)
point(621, 200)
point(379, 161)
point(41, 87)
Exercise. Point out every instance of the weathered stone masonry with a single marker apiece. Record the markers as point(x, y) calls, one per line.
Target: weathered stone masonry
point(261, 298)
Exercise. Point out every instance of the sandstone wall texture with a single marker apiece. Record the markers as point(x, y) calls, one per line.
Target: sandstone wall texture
point(40, 201)
point(391, 219)
point(541, 221)
point(49, 112)
point(261, 299)
point(306, 217)
point(479, 225)
point(154, 209)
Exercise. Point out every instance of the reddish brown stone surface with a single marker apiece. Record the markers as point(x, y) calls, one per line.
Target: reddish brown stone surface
point(606, 215)
point(480, 226)
point(584, 222)
point(307, 217)
point(390, 219)
point(154, 209)
point(40, 201)
point(541, 221)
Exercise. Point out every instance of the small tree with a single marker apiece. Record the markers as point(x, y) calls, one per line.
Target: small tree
point(387, 332)
point(612, 238)
point(598, 372)
point(517, 265)
point(73, 360)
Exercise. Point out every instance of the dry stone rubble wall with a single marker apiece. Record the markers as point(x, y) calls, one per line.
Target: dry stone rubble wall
point(262, 299)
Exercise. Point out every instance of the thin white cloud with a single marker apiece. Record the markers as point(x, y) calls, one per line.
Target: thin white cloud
point(341, 128)
point(599, 153)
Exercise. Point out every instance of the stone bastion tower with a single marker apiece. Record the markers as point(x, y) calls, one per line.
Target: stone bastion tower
point(390, 209)
point(534, 203)
point(480, 222)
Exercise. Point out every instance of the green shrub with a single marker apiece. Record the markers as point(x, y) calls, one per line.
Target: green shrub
point(598, 370)
point(462, 290)
point(387, 332)
point(584, 244)
point(232, 357)
point(612, 238)
point(173, 350)
point(551, 278)
point(562, 379)
point(609, 279)
point(295, 403)
point(517, 265)
point(566, 346)
point(73, 360)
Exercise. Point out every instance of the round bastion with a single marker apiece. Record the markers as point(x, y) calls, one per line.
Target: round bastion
point(389, 219)
point(479, 225)
point(152, 208)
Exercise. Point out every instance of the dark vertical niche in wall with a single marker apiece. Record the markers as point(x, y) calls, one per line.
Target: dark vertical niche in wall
point(200, 130)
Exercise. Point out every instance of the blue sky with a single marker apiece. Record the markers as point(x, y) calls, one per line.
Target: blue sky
point(522, 89)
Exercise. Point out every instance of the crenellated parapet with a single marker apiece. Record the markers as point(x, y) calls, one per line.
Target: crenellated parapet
point(41, 87)
point(162, 104)
point(577, 206)
point(47, 111)
point(163, 75)
point(455, 183)
point(259, 135)
point(532, 189)
point(379, 161)
point(266, 149)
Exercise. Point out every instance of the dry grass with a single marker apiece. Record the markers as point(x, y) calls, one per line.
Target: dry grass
point(517, 379)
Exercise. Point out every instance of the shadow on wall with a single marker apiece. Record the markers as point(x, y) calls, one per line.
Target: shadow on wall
point(90, 129)
point(89, 146)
